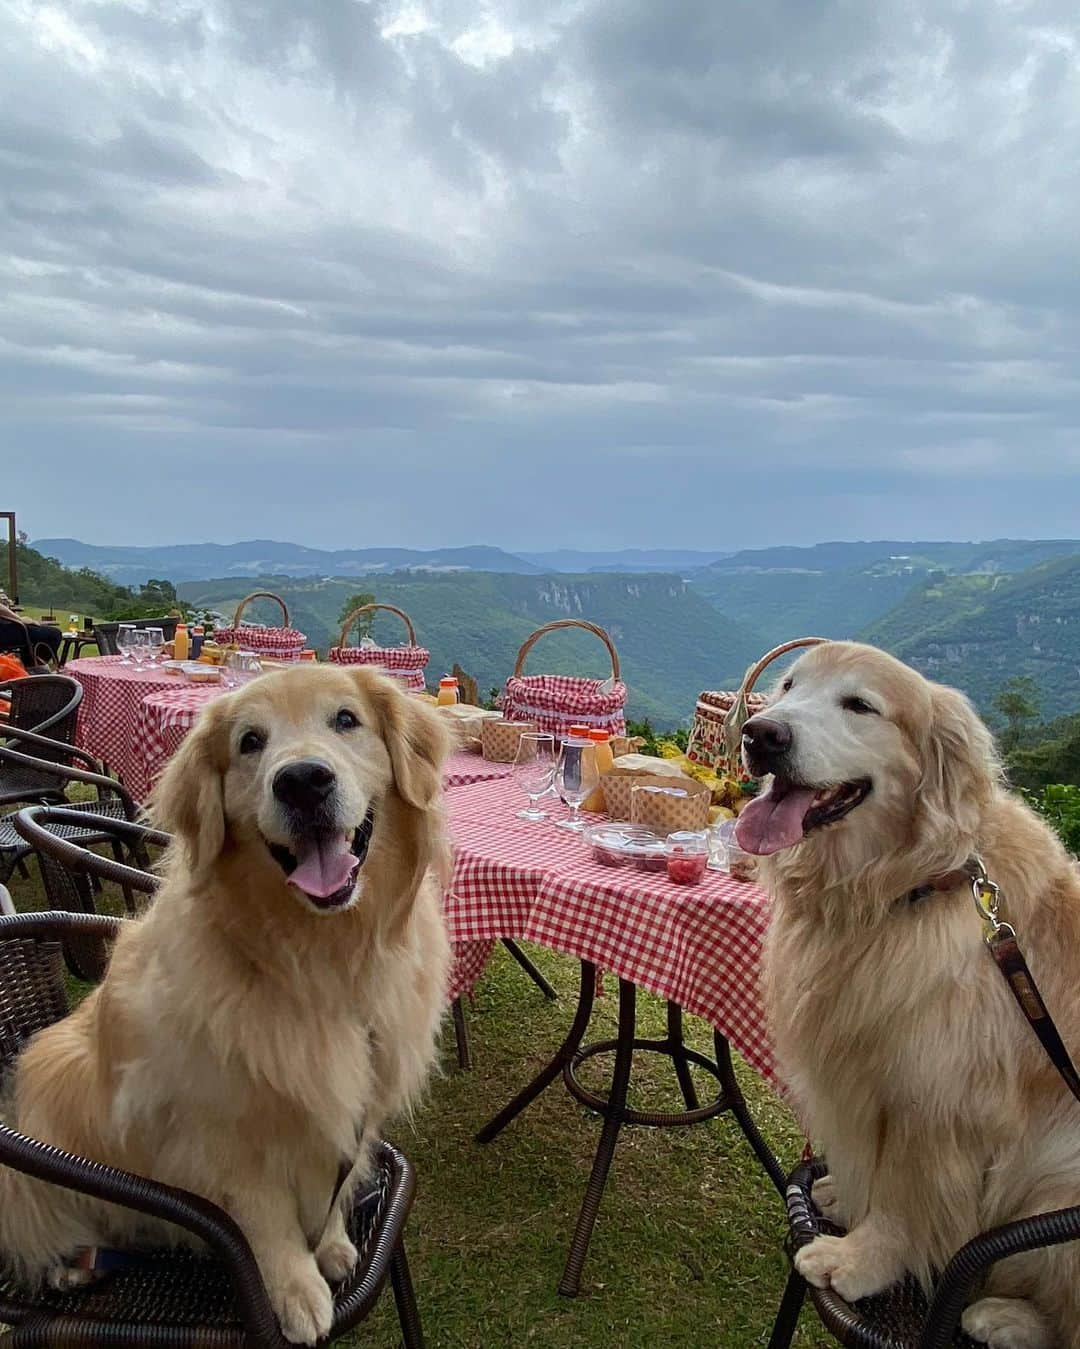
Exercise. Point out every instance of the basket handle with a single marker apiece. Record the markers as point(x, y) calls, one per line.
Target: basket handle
point(260, 595)
point(529, 642)
point(350, 619)
point(753, 674)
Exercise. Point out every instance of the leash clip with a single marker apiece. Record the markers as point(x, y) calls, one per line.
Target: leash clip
point(987, 897)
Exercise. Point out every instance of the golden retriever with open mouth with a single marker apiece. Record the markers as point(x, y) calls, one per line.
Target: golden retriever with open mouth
point(279, 1000)
point(938, 1111)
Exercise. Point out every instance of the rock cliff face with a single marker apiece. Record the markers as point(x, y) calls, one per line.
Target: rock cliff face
point(978, 631)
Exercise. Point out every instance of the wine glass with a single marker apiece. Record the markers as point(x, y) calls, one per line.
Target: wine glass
point(155, 645)
point(124, 642)
point(240, 667)
point(534, 770)
point(138, 642)
point(575, 778)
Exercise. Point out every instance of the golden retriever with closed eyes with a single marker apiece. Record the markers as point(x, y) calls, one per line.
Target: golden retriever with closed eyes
point(279, 1000)
point(908, 1059)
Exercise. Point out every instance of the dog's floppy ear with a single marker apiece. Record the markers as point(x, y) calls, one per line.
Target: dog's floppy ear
point(189, 800)
point(417, 740)
point(960, 763)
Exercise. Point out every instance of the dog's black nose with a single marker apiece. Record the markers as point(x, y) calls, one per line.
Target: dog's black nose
point(765, 740)
point(304, 784)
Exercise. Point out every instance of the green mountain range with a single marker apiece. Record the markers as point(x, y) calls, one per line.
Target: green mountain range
point(971, 614)
point(839, 589)
point(672, 642)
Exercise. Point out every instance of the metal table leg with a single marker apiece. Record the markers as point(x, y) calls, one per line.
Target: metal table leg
point(563, 1055)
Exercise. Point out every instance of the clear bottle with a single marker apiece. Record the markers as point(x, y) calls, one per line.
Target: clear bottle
point(448, 692)
point(198, 636)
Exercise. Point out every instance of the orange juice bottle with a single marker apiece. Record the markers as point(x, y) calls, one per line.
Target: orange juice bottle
point(602, 752)
point(181, 643)
point(448, 692)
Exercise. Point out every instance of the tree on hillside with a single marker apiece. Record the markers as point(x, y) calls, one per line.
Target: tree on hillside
point(1018, 702)
point(1049, 760)
point(365, 621)
point(160, 593)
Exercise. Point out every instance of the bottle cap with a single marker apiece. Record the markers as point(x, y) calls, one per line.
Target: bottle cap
point(448, 683)
point(579, 732)
point(599, 736)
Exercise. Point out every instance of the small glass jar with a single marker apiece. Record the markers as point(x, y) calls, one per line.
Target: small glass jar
point(687, 854)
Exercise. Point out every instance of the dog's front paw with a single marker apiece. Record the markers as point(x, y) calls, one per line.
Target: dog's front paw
point(1006, 1323)
point(845, 1265)
point(303, 1303)
point(824, 1194)
point(337, 1257)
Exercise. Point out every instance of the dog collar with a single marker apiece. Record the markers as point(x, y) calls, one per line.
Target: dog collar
point(940, 885)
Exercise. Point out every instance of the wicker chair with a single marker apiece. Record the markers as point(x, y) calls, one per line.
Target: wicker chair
point(105, 633)
point(113, 801)
point(45, 705)
point(902, 1317)
point(169, 1299)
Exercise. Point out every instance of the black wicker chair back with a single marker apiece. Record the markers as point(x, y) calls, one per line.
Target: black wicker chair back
point(48, 705)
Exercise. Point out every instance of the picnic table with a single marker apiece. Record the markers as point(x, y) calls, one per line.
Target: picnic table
point(136, 720)
point(697, 947)
point(109, 711)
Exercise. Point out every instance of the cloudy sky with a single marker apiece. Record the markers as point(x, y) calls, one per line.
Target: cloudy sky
point(540, 272)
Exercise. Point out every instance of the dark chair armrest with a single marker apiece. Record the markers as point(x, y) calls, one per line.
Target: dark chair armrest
point(31, 824)
point(99, 780)
point(189, 1211)
point(953, 1291)
point(33, 738)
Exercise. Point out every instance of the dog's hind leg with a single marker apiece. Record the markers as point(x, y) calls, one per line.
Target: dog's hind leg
point(1007, 1323)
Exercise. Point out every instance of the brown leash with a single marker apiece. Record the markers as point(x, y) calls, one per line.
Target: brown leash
point(1004, 947)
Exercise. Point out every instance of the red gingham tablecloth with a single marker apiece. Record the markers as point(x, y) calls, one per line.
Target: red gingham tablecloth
point(109, 711)
point(165, 717)
point(698, 945)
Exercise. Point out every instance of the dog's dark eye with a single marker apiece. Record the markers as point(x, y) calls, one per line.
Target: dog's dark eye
point(251, 742)
point(787, 685)
point(860, 706)
point(346, 720)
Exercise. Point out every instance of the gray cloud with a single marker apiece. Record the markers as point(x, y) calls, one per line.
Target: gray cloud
point(533, 273)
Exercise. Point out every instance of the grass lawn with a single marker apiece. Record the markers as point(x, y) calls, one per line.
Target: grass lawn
point(687, 1249)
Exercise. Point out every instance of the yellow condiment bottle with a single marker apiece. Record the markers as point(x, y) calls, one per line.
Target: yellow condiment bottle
point(448, 692)
point(181, 643)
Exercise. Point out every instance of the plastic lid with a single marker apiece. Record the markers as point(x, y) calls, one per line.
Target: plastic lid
point(448, 682)
point(582, 732)
point(599, 736)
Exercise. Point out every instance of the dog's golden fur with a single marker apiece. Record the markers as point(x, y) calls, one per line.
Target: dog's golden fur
point(905, 1053)
point(242, 1044)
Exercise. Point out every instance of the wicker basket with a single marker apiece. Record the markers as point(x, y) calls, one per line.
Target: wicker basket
point(499, 739)
point(666, 813)
point(557, 702)
point(716, 735)
point(406, 662)
point(284, 643)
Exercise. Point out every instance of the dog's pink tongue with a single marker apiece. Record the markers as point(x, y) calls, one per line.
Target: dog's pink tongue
point(325, 868)
point(769, 824)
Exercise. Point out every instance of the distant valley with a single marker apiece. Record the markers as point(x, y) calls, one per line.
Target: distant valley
point(972, 614)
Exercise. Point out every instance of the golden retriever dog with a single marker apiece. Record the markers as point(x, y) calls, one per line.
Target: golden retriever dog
point(279, 1000)
point(906, 1055)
